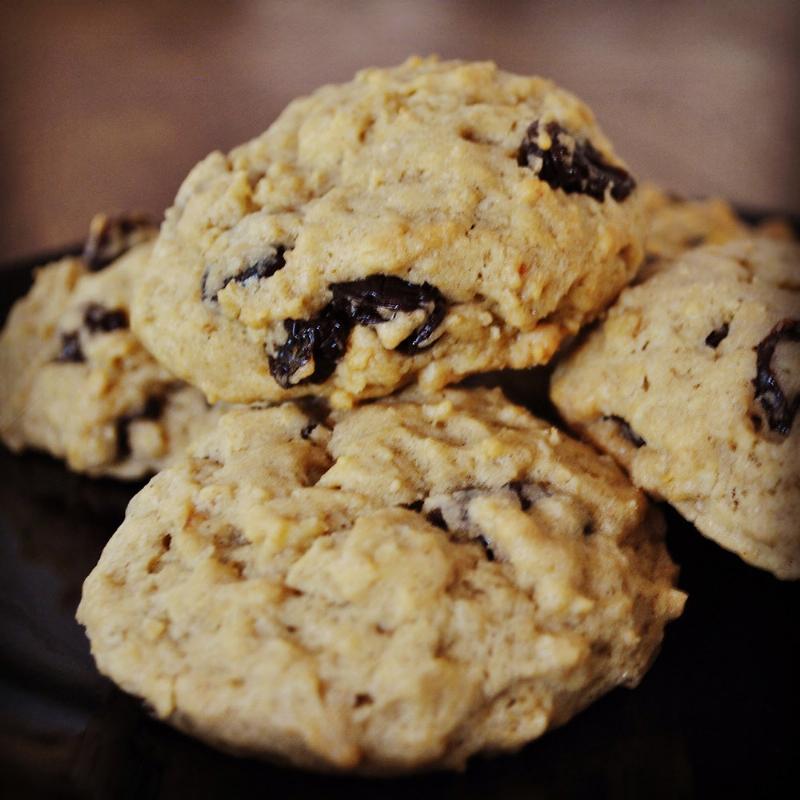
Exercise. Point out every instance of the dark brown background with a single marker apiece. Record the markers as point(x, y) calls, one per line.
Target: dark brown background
point(105, 106)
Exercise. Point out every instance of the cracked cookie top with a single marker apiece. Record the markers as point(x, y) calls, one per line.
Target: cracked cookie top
point(421, 222)
point(75, 380)
point(389, 588)
point(693, 383)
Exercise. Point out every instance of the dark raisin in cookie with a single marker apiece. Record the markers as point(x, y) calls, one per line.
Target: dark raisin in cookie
point(417, 224)
point(693, 383)
point(75, 380)
point(423, 553)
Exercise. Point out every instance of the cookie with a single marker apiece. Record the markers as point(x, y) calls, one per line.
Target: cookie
point(74, 379)
point(394, 588)
point(675, 225)
point(692, 383)
point(419, 223)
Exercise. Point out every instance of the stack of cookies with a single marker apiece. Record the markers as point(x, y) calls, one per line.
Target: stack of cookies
point(342, 563)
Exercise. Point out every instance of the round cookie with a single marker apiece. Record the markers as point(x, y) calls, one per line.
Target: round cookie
point(675, 225)
point(692, 382)
point(419, 223)
point(75, 380)
point(394, 588)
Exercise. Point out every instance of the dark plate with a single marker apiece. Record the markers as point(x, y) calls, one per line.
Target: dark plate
point(717, 712)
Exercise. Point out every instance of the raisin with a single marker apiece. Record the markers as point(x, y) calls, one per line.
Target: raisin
point(265, 267)
point(575, 166)
point(451, 511)
point(111, 237)
point(99, 319)
point(378, 298)
point(362, 700)
point(626, 431)
point(483, 542)
point(316, 410)
point(322, 338)
point(151, 410)
point(528, 492)
point(436, 518)
point(780, 411)
point(420, 338)
point(518, 487)
point(96, 319)
point(454, 506)
point(717, 335)
point(369, 301)
point(71, 351)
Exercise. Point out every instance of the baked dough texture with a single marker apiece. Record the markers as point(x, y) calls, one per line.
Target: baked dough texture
point(393, 588)
point(419, 223)
point(692, 383)
point(76, 382)
point(675, 225)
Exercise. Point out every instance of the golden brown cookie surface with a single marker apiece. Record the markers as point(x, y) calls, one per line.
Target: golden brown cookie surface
point(422, 222)
point(693, 383)
point(404, 585)
point(74, 379)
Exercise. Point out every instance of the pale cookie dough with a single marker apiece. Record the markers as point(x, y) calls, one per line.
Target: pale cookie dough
point(693, 382)
point(76, 382)
point(434, 577)
point(420, 223)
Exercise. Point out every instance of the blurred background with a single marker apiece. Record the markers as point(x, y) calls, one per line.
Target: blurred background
point(107, 105)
